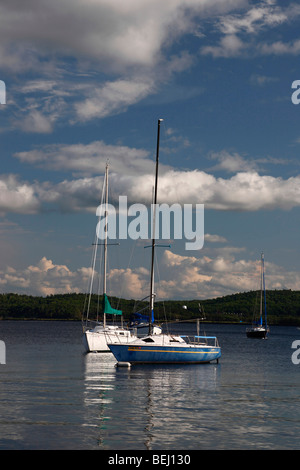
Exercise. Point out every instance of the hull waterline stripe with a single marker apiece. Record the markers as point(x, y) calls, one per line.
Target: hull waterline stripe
point(172, 351)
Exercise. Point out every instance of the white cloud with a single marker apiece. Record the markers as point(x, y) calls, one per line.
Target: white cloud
point(230, 46)
point(39, 104)
point(113, 97)
point(88, 159)
point(279, 48)
point(130, 283)
point(265, 14)
point(16, 196)
point(244, 191)
point(181, 277)
point(240, 31)
point(123, 45)
point(45, 278)
point(232, 162)
point(115, 33)
point(189, 277)
point(35, 121)
point(214, 238)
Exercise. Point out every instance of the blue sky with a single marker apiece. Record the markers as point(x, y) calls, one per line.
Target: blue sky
point(86, 81)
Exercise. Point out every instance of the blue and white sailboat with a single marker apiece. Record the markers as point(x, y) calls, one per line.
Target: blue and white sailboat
point(259, 328)
point(165, 348)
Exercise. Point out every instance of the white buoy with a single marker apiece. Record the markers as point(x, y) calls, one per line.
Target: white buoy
point(123, 364)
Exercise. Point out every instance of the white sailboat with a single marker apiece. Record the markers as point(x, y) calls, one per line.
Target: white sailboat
point(164, 348)
point(96, 337)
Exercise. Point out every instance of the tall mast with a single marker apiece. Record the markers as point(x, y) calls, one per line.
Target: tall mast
point(105, 238)
point(151, 306)
point(263, 291)
point(261, 287)
point(264, 287)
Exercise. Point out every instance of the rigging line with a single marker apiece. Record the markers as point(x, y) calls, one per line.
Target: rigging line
point(99, 282)
point(128, 264)
point(108, 293)
point(159, 283)
point(92, 278)
point(132, 250)
point(94, 256)
point(118, 264)
point(87, 289)
point(108, 253)
point(176, 199)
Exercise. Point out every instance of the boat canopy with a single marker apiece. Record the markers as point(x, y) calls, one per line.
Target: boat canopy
point(107, 307)
point(138, 318)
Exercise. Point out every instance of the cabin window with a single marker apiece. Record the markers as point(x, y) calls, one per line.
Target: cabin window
point(148, 340)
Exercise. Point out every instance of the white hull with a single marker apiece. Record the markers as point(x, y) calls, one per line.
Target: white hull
point(96, 339)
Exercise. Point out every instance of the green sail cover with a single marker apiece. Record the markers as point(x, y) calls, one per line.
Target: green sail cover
point(107, 307)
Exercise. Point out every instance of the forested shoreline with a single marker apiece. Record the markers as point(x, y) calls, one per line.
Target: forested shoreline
point(283, 307)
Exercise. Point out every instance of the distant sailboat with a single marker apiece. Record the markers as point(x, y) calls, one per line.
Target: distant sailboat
point(95, 337)
point(165, 348)
point(259, 328)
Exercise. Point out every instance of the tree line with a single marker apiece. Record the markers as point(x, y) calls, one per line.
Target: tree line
point(283, 307)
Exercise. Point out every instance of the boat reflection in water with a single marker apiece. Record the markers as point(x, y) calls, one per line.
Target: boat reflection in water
point(146, 407)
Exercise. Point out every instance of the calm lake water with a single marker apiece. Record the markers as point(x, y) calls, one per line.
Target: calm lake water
point(53, 396)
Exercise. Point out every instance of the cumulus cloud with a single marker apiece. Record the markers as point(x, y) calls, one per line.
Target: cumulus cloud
point(181, 277)
point(244, 191)
point(45, 278)
point(205, 277)
point(17, 196)
point(130, 283)
point(113, 32)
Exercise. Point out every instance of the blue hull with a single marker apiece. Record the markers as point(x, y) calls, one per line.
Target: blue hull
point(164, 354)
